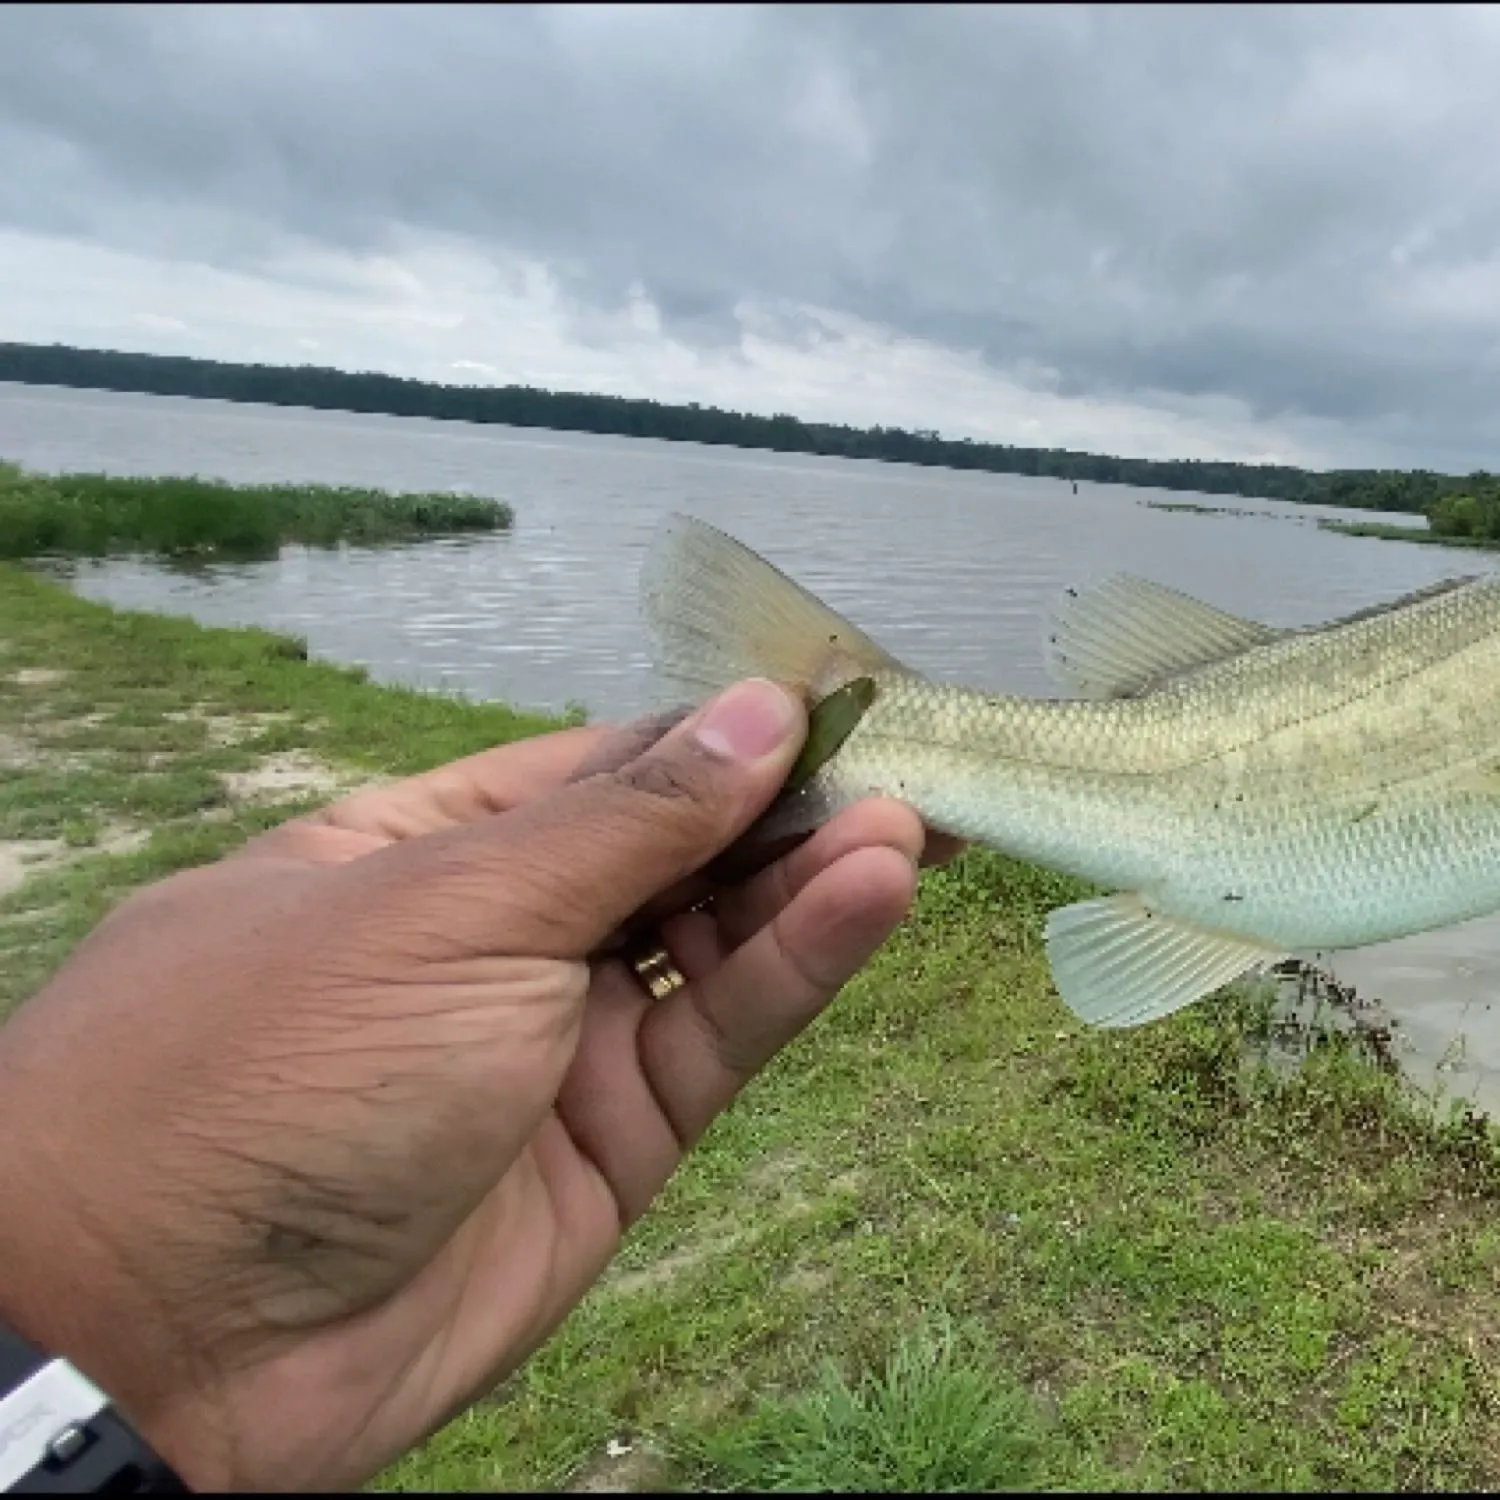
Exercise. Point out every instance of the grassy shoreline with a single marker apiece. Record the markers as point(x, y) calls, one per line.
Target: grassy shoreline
point(95, 514)
point(1421, 534)
point(951, 1238)
point(1381, 529)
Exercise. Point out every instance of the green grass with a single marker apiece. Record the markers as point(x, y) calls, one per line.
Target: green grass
point(94, 514)
point(132, 739)
point(1406, 534)
point(938, 1417)
point(950, 1239)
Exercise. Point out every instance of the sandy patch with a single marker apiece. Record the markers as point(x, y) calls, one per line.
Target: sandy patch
point(37, 676)
point(68, 725)
point(808, 1279)
point(15, 754)
point(229, 729)
point(32, 750)
point(290, 773)
point(32, 916)
point(119, 838)
point(776, 1171)
point(21, 857)
point(787, 1203)
point(623, 1468)
point(666, 1270)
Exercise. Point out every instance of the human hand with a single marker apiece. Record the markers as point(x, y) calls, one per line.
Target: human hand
point(309, 1148)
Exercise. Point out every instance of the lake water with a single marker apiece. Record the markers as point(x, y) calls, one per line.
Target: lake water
point(954, 572)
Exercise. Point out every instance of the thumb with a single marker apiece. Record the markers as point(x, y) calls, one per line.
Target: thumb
point(556, 876)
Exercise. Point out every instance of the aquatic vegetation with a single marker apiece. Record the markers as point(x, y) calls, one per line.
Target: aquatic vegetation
point(96, 514)
point(1389, 533)
point(1192, 508)
point(1468, 516)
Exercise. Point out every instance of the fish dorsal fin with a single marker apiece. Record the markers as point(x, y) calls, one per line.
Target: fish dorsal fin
point(1123, 635)
point(718, 612)
point(1115, 962)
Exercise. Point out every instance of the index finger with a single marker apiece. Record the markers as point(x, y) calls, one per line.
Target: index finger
point(462, 791)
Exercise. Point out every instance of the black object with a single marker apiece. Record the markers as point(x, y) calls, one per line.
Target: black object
point(59, 1434)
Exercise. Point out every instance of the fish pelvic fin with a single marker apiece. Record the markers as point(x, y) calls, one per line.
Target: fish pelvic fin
point(1117, 963)
point(1124, 635)
point(718, 612)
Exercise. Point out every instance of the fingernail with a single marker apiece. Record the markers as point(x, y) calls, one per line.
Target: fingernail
point(748, 721)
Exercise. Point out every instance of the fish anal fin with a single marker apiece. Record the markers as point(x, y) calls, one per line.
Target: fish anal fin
point(1121, 636)
point(1116, 963)
point(718, 612)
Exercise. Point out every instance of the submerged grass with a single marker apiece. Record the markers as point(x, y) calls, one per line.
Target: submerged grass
point(94, 514)
point(1391, 533)
point(949, 1240)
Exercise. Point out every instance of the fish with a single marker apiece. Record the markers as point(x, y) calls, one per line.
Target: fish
point(1244, 794)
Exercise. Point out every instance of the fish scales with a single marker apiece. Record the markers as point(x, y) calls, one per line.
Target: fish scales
point(1249, 793)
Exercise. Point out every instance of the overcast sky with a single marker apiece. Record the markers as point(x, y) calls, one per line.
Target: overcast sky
point(1245, 233)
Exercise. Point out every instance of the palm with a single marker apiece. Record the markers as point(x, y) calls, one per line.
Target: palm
point(557, 1122)
point(510, 1273)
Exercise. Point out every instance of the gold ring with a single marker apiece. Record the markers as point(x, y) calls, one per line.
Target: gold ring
point(654, 968)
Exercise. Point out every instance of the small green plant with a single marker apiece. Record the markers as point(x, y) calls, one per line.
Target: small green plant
point(936, 1419)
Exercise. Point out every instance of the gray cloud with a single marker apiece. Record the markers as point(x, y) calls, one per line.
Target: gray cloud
point(1297, 208)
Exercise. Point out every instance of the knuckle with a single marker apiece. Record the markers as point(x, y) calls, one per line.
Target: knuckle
point(680, 799)
point(627, 743)
point(737, 1054)
point(804, 970)
point(678, 779)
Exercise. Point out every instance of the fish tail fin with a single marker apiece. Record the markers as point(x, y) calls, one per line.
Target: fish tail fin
point(718, 612)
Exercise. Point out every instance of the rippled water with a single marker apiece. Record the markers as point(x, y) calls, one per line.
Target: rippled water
point(951, 571)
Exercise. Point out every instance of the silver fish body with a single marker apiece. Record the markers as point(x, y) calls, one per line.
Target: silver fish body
point(1250, 793)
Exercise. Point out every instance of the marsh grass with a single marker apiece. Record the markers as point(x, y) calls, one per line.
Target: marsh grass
point(94, 514)
point(950, 1239)
point(1422, 534)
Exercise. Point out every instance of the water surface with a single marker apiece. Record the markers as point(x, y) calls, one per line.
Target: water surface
point(951, 571)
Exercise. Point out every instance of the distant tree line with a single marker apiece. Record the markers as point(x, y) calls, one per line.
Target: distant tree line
point(1414, 490)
